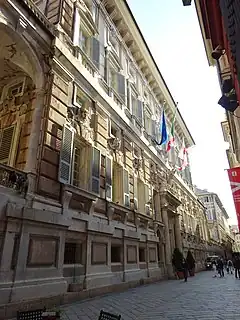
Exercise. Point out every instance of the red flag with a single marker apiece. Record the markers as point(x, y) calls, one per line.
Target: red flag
point(234, 178)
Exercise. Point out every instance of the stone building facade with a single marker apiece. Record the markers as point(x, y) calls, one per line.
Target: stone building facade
point(88, 199)
point(220, 233)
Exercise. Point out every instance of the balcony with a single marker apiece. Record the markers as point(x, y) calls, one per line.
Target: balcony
point(14, 179)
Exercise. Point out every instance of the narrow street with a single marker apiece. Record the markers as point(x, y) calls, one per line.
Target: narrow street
point(202, 297)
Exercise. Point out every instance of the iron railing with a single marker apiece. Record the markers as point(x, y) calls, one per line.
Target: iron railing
point(13, 178)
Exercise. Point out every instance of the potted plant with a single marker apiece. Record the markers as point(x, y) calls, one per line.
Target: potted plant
point(177, 261)
point(191, 263)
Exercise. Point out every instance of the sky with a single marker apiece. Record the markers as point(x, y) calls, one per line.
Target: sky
point(173, 35)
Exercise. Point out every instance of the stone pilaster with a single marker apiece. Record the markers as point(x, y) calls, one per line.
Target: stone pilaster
point(177, 230)
point(168, 260)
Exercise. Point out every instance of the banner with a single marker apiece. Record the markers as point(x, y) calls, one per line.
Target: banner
point(234, 178)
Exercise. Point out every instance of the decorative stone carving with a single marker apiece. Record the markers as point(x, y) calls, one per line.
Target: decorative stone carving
point(81, 120)
point(137, 164)
point(114, 144)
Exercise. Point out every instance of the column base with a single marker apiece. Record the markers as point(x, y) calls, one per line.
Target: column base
point(169, 271)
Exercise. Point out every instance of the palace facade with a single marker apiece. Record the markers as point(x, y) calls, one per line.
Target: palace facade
point(89, 201)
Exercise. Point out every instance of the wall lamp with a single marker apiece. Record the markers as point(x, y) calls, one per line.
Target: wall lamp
point(187, 2)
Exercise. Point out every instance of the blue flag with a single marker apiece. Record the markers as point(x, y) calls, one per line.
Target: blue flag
point(163, 129)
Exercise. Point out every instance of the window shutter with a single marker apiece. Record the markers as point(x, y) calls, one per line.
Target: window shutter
point(135, 190)
point(139, 110)
point(108, 178)
point(121, 86)
point(96, 156)
point(95, 52)
point(147, 198)
point(126, 188)
point(6, 143)
point(66, 154)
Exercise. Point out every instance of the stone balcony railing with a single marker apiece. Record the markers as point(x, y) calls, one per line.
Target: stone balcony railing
point(13, 178)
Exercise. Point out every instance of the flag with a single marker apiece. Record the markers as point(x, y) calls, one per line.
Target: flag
point(183, 156)
point(163, 128)
point(234, 178)
point(171, 142)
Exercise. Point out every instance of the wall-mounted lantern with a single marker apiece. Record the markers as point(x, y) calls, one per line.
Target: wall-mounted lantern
point(187, 2)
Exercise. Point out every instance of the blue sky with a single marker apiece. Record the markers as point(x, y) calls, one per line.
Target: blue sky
point(174, 38)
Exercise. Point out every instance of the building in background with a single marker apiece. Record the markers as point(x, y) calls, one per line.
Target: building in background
point(220, 26)
point(89, 200)
point(220, 233)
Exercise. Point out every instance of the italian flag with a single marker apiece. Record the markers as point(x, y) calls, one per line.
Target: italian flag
point(183, 156)
point(171, 141)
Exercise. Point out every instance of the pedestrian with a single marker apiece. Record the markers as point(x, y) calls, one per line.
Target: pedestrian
point(237, 267)
point(230, 266)
point(220, 266)
point(185, 269)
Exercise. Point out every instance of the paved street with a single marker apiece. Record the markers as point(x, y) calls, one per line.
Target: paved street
point(203, 297)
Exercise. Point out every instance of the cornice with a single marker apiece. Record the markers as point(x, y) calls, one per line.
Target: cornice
point(137, 36)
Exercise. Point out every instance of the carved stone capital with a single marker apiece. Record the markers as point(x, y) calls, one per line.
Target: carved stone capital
point(114, 144)
point(137, 164)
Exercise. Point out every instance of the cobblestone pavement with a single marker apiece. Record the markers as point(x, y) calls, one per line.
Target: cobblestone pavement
point(202, 297)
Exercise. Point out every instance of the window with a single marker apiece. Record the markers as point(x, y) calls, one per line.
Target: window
point(80, 99)
point(120, 181)
point(13, 89)
point(116, 253)
point(126, 188)
point(134, 105)
point(135, 192)
point(113, 79)
point(81, 168)
point(6, 142)
point(148, 122)
point(72, 253)
point(108, 178)
point(137, 108)
point(65, 165)
point(96, 156)
point(85, 41)
point(15, 251)
point(95, 13)
point(147, 200)
point(114, 42)
point(142, 255)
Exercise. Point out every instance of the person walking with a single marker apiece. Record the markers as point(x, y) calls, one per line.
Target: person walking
point(230, 266)
point(220, 266)
point(237, 267)
point(185, 269)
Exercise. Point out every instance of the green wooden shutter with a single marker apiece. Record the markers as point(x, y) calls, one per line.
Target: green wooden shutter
point(66, 154)
point(95, 52)
point(96, 159)
point(6, 139)
point(108, 179)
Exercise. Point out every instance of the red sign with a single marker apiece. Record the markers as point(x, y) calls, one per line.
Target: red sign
point(234, 178)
